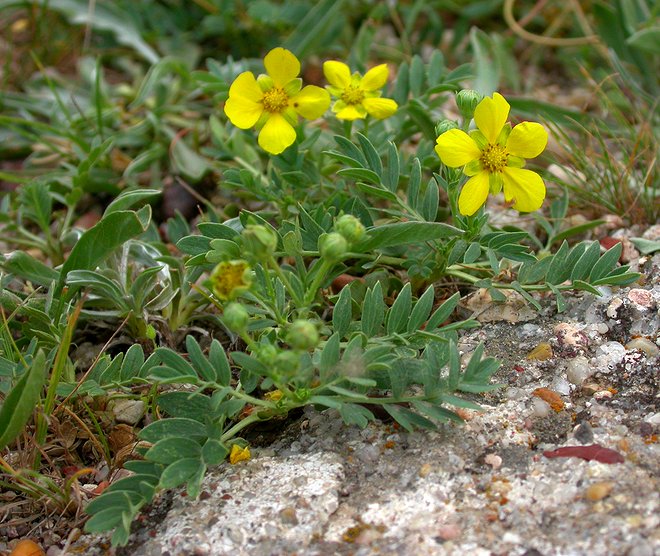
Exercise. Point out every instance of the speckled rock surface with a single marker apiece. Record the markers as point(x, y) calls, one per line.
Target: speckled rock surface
point(484, 488)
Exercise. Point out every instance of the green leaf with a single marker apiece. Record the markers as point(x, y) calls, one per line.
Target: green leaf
point(218, 358)
point(442, 313)
point(472, 253)
point(214, 452)
point(645, 246)
point(37, 203)
point(391, 177)
point(409, 420)
point(398, 315)
point(576, 230)
point(373, 310)
point(214, 230)
point(428, 205)
point(646, 39)
point(132, 363)
point(180, 472)
point(181, 427)
point(102, 239)
point(21, 400)
point(360, 174)
point(342, 315)
point(319, 23)
point(370, 152)
point(200, 363)
point(422, 309)
point(415, 182)
point(27, 267)
point(185, 404)
point(329, 358)
point(405, 233)
point(606, 263)
point(172, 449)
point(175, 361)
point(558, 271)
point(353, 414)
point(586, 262)
point(105, 520)
point(127, 199)
point(416, 75)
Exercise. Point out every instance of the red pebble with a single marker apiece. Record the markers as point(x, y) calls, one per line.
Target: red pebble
point(592, 452)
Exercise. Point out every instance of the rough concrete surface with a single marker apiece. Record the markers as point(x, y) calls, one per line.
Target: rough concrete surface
point(484, 488)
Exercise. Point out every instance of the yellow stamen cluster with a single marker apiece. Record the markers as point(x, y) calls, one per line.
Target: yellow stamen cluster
point(494, 158)
point(229, 279)
point(275, 100)
point(352, 95)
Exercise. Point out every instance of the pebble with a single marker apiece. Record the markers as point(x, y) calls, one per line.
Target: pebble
point(128, 411)
point(542, 352)
point(653, 419)
point(493, 460)
point(602, 328)
point(561, 386)
point(425, 470)
point(449, 531)
point(583, 433)
point(578, 370)
point(645, 345)
point(540, 408)
point(598, 491)
point(609, 355)
point(642, 298)
point(570, 334)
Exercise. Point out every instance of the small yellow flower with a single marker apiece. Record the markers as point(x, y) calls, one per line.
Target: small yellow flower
point(358, 96)
point(230, 279)
point(493, 156)
point(273, 102)
point(238, 454)
point(273, 395)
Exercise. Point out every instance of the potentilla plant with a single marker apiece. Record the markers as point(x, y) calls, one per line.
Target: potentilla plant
point(338, 291)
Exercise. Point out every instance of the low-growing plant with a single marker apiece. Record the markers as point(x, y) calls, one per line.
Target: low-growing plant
point(334, 283)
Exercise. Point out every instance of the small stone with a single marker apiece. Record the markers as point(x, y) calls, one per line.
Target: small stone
point(288, 516)
point(541, 352)
point(644, 345)
point(493, 460)
point(561, 386)
point(641, 549)
point(603, 395)
point(653, 419)
point(540, 408)
point(590, 388)
point(449, 531)
point(551, 397)
point(578, 370)
point(598, 491)
point(609, 355)
point(570, 335)
point(425, 470)
point(642, 298)
point(583, 433)
point(128, 411)
point(613, 307)
point(602, 328)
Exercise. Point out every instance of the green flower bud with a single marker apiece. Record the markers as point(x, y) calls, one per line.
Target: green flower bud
point(287, 363)
point(235, 317)
point(350, 227)
point(302, 335)
point(333, 246)
point(266, 353)
point(259, 242)
point(445, 125)
point(467, 101)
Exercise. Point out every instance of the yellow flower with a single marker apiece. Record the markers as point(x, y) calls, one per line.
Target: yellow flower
point(238, 454)
point(273, 102)
point(358, 96)
point(493, 156)
point(230, 279)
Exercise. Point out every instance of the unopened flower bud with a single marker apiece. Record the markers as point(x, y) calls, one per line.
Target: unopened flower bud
point(235, 317)
point(287, 363)
point(333, 246)
point(302, 335)
point(259, 242)
point(467, 101)
point(350, 227)
point(445, 125)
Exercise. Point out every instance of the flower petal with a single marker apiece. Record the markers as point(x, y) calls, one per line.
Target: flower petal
point(245, 85)
point(474, 194)
point(276, 135)
point(282, 66)
point(380, 107)
point(525, 188)
point(375, 78)
point(527, 140)
point(352, 112)
point(490, 116)
point(311, 102)
point(338, 74)
point(456, 148)
point(243, 107)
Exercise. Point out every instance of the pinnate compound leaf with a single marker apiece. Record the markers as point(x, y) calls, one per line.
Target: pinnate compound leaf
point(172, 449)
point(180, 472)
point(181, 427)
point(405, 233)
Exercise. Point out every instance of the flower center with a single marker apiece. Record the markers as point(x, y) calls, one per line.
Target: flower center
point(494, 158)
point(228, 279)
point(275, 100)
point(352, 95)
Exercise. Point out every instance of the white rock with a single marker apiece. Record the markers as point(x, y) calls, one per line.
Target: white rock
point(540, 408)
point(128, 411)
point(578, 370)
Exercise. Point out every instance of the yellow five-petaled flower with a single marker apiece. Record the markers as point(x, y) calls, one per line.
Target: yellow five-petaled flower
point(273, 102)
point(493, 156)
point(358, 96)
